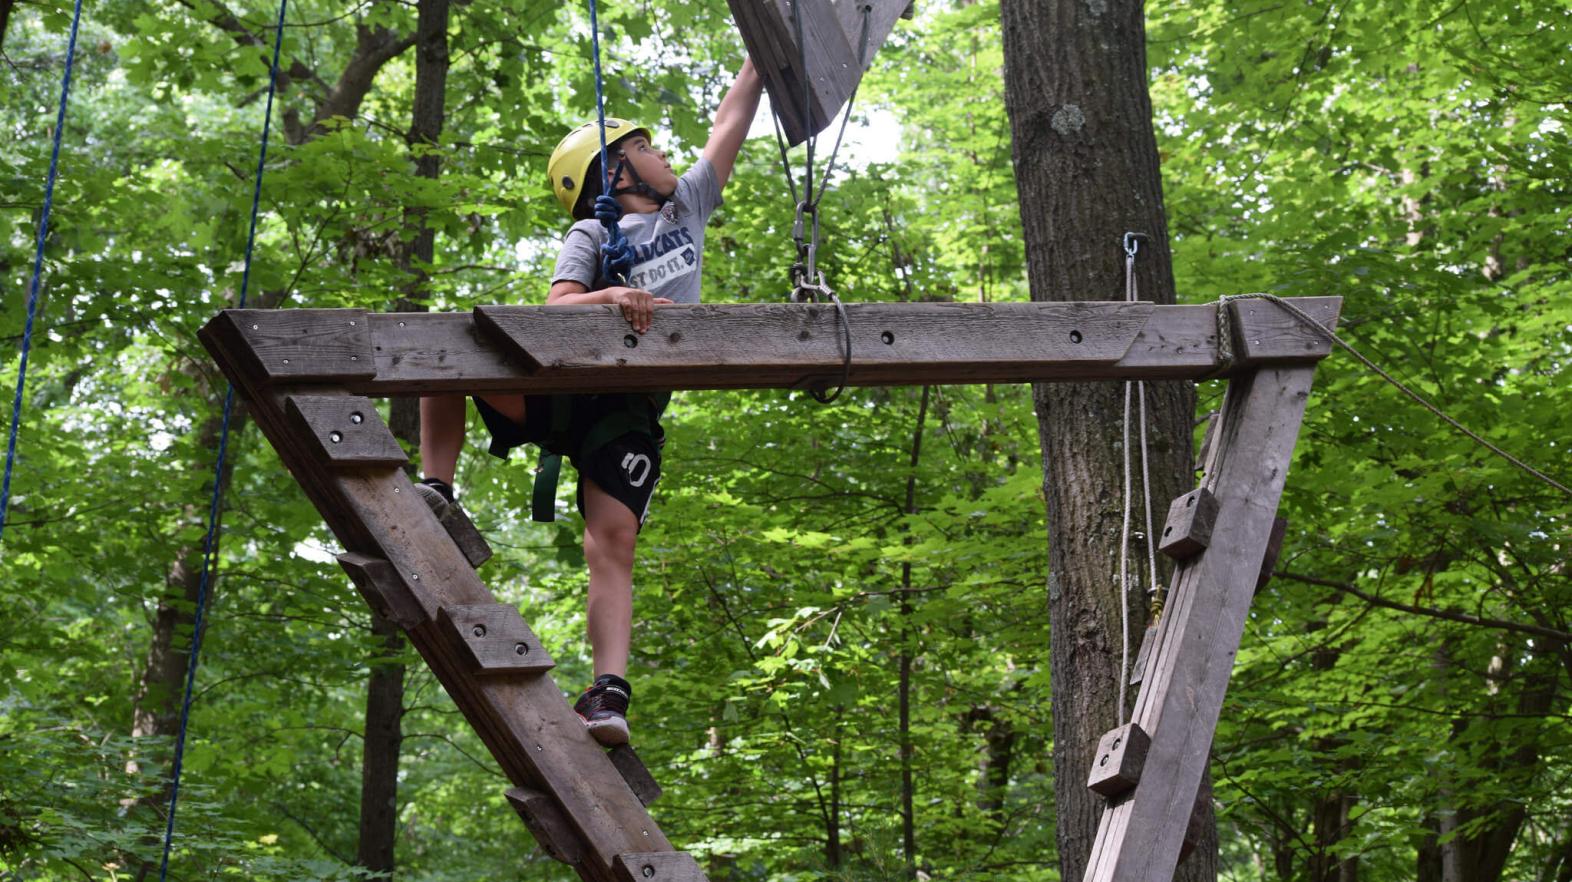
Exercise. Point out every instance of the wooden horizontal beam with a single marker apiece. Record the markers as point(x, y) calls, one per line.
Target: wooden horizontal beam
point(539, 349)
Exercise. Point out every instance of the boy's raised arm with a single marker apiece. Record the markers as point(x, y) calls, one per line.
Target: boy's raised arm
point(732, 120)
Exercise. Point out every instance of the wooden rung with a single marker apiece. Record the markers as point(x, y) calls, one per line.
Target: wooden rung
point(547, 824)
point(1148, 642)
point(1188, 530)
point(384, 589)
point(468, 539)
point(495, 639)
point(633, 771)
point(1121, 754)
point(658, 866)
point(347, 430)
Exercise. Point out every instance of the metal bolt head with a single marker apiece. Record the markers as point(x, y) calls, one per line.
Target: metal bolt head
point(520, 649)
point(335, 437)
point(648, 872)
point(356, 418)
point(478, 630)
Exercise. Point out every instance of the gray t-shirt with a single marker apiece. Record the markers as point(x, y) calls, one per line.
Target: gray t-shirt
point(668, 245)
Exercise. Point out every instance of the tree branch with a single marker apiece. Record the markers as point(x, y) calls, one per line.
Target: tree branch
point(1448, 615)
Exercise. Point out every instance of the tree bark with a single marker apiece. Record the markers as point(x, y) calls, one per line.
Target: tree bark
point(5, 18)
point(1087, 171)
point(385, 686)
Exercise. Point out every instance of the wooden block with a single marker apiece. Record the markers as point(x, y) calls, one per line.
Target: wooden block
point(384, 590)
point(1265, 331)
point(301, 344)
point(495, 639)
point(546, 822)
point(1274, 547)
point(347, 429)
point(468, 539)
point(658, 866)
point(1188, 531)
point(639, 779)
point(1120, 756)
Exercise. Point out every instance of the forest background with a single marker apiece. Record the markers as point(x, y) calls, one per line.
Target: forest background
point(1400, 707)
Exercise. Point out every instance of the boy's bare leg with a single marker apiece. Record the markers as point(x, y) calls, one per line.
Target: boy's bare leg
point(610, 533)
point(441, 435)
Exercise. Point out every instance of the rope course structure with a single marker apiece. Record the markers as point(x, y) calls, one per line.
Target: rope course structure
point(308, 376)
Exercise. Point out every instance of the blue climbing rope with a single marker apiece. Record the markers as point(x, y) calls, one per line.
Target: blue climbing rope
point(38, 269)
point(616, 257)
point(210, 541)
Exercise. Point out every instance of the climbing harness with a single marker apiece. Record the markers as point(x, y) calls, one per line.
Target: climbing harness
point(1226, 356)
point(582, 425)
point(210, 541)
point(1131, 247)
point(807, 280)
point(38, 269)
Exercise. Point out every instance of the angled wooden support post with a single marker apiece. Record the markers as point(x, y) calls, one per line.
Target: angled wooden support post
point(403, 560)
point(1186, 671)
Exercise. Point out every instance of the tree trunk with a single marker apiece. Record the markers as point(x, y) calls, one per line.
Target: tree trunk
point(156, 708)
point(908, 641)
point(5, 18)
point(380, 752)
point(1087, 172)
point(385, 686)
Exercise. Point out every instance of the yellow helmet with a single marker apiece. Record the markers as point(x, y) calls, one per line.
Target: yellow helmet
point(570, 162)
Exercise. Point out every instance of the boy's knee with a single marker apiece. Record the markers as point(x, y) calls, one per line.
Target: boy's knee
point(613, 541)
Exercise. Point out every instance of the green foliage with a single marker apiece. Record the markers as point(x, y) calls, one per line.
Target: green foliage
point(1408, 158)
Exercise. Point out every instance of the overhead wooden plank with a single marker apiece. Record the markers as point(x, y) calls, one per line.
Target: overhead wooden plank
point(426, 353)
point(300, 344)
point(1186, 675)
point(347, 430)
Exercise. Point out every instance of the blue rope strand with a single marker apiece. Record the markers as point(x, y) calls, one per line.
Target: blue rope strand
point(615, 256)
point(38, 269)
point(210, 541)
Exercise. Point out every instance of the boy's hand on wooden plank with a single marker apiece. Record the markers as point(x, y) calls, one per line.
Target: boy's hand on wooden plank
point(637, 305)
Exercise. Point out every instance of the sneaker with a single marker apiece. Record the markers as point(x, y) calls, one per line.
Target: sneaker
point(604, 709)
point(437, 494)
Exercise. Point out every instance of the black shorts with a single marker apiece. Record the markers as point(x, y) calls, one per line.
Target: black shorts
point(627, 468)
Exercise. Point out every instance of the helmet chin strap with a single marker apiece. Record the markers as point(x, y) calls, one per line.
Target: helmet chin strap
point(639, 187)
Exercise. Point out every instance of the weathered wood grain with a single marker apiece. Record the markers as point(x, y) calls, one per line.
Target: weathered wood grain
point(541, 816)
point(384, 591)
point(1187, 674)
point(672, 866)
point(1121, 754)
point(494, 638)
point(285, 344)
point(826, 63)
point(1188, 529)
point(347, 430)
point(544, 350)
point(1265, 331)
point(464, 534)
point(525, 722)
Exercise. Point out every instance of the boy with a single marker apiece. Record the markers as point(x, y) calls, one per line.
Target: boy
point(663, 221)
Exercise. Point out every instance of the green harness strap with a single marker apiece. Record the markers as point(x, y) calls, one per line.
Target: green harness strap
point(633, 413)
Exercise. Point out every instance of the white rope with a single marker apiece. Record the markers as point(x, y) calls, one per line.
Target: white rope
point(1131, 245)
